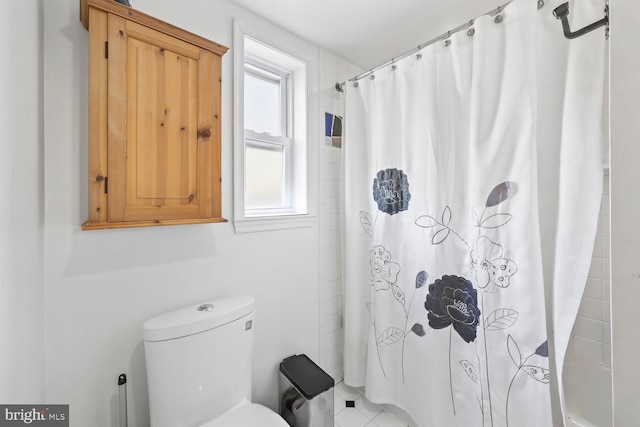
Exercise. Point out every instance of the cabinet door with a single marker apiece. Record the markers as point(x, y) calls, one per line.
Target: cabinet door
point(161, 130)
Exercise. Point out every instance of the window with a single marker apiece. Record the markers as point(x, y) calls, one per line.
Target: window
point(275, 129)
point(267, 138)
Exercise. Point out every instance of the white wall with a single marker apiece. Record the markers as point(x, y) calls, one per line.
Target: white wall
point(591, 335)
point(332, 69)
point(21, 204)
point(587, 370)
point(625, 208)
point(102, 285)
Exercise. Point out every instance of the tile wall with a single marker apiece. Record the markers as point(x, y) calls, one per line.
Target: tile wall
point(591, 337)
point(332, 70)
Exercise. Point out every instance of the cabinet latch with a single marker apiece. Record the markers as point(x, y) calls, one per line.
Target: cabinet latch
point(106, 185)
point(106, 50)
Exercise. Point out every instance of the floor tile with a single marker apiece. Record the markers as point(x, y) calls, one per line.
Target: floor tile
point(368, 409)
point(348, 393)
point(387, 419)
point(365, 413)
point(351, 417)
point(339, 403)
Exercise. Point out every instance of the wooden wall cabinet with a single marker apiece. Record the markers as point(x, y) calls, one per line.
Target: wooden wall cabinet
point(154, 120)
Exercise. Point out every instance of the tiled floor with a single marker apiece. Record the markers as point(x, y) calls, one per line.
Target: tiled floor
point(364, 414)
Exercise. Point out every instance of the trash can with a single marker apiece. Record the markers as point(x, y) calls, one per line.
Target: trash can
point(306, 393)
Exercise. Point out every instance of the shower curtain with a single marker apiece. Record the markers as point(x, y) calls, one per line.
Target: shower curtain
point(473, 177)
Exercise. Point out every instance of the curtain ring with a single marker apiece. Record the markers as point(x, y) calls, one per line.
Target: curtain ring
point(471, 32)
point(447, 40)
point(418, 56)
point(498, 17)
point(540, 4)
point(355, 84)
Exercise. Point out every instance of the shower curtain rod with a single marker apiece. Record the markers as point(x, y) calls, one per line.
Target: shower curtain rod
point(444, 36)
point(561, 12)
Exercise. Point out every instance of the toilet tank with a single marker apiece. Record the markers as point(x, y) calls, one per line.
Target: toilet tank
point(199, 361)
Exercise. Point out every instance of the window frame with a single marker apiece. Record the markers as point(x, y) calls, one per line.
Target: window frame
point(264, 141)
point(304, 133)
point(270, 72)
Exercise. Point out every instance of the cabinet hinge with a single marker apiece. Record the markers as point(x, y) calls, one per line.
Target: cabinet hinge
point(106, 185)
point(106, 50)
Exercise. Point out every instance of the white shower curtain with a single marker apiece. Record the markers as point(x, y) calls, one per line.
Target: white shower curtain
point(473, 175)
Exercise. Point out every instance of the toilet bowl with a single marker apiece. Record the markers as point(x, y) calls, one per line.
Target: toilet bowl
point(199, 367)
point(247, 414)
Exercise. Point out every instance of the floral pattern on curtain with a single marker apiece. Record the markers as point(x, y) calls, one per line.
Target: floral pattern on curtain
point(445, 209)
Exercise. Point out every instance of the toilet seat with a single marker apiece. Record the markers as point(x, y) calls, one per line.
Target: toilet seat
point(247, 414)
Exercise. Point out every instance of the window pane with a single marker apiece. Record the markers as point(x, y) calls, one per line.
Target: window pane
point(264, 177)
point(261, 104)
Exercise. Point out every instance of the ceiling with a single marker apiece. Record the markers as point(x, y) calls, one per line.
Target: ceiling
point(369, 32)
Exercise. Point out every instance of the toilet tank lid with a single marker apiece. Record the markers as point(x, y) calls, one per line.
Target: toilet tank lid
point(196, 318)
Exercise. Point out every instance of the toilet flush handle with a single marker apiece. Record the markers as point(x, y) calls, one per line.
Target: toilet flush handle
point(205, 307)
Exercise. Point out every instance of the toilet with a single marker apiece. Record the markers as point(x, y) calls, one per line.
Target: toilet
point(199, 367)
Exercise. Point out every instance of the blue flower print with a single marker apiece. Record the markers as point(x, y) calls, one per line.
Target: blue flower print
point(452, 300)
point(391, 191)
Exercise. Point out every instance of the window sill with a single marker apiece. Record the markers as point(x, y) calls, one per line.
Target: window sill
point(271, 223)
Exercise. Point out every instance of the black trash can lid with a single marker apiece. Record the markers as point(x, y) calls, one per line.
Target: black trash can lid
point(306, 376)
